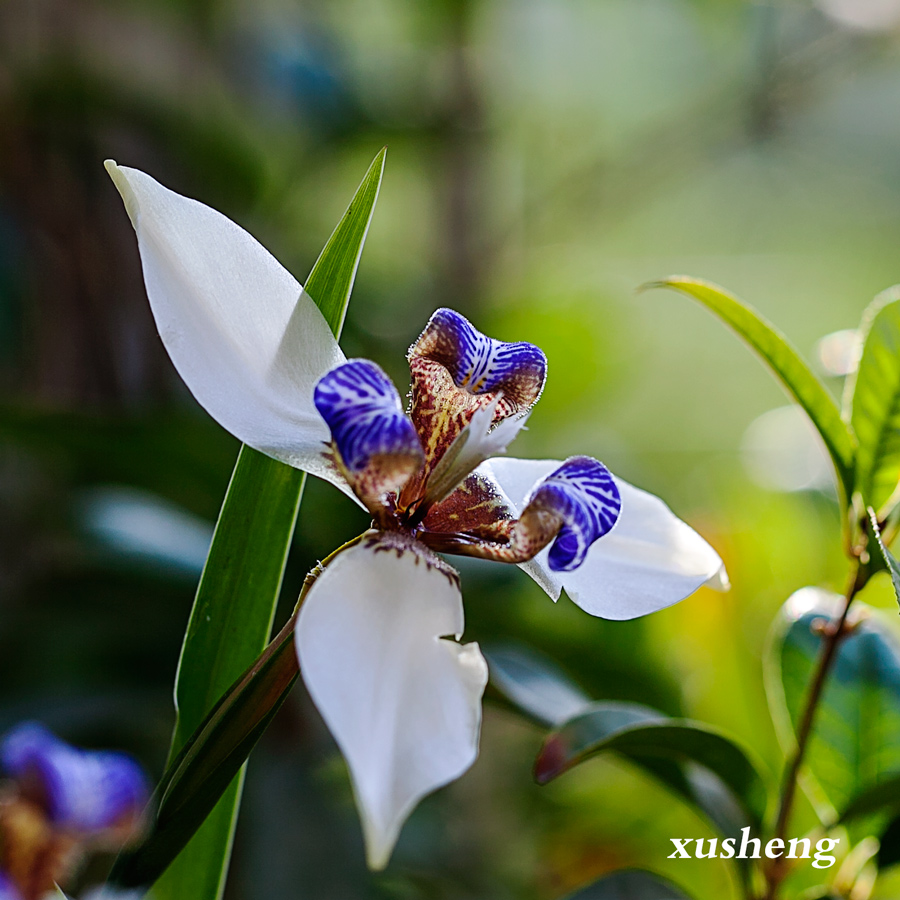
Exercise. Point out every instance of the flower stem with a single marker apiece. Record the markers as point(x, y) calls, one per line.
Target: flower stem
point(833, 633)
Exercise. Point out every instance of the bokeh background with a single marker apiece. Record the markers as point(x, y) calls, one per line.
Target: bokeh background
point(545, 157)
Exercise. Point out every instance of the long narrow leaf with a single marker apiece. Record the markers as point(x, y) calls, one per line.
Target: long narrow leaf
point(232, 616)
point(784, 361)
point(215, 753)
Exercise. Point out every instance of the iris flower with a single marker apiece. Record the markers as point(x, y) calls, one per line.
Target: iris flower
point(378, 636)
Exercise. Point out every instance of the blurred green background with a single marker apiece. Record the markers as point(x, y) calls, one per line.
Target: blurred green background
point(545, 157)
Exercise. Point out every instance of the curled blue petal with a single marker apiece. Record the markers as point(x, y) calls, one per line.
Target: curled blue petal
point(8, 890)
point(84, 790)
point(480, 364)
point(363, 410)
point(584, 495)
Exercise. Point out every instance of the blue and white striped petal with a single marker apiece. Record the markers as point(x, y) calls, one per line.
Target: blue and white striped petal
point(582, 495)
point(481, 365)
point(572, 506)
point(650, 560)
point(86, 791)
point(376, 444)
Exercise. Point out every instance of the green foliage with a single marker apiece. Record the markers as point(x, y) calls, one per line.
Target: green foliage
point(872, 403)
point(642, 733)
point(631, 884)
point(707, 770)
point(854, 746)
point(784, 362)
point(236, 598)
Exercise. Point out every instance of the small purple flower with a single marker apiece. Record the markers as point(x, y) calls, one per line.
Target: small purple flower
point(59, 803)
point(87, 791)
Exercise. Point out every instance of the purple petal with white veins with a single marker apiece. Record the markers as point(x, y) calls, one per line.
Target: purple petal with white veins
point(650, 560)
point(82, 789)
point(362, 408)
point(482, 365)
point(377, 445)
point(583, 494)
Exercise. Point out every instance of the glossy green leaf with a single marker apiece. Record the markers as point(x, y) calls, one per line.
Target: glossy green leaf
point(534, 685)
point(890, 561)
point(705, 757)
point(785, 362)
point(872, 401)
point(855, 741)
point(631, 884)
point(232, 616)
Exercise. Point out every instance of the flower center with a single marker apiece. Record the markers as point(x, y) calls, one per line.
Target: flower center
point(416, 473)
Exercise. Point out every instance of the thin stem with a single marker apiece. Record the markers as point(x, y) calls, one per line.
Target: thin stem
point(832, 638)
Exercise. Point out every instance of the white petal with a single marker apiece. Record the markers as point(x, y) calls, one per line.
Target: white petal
point(403, 703)
point(650, 560)
point(246, 339)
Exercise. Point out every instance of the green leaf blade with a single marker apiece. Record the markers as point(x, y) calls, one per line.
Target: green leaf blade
point(331, 279)
point(644, 736)
point(231, 620)
point(784, 361)
point(873, 400)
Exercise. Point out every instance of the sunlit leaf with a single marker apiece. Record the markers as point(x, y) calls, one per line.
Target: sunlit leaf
point(631, 884)
point(785, 363)
point(855, 741)
point(232, 615)
point(648, 737)
point(872, 401)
